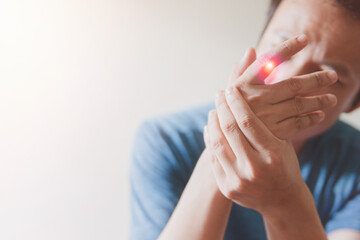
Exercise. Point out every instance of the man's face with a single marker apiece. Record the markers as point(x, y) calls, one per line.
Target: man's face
point(334, 43)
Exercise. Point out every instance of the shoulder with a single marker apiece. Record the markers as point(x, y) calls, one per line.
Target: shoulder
point(343, 134)
point(341, 143)
point(174, 140)
point(337, 153)
point(178, 123)
point(332, 173)
point(181, 121)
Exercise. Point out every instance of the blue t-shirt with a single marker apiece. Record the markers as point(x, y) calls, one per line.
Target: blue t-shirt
point(167, 148)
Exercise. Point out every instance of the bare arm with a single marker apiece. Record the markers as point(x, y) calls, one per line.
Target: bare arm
point(202, 211)
point(299, 220)
point(296, 219)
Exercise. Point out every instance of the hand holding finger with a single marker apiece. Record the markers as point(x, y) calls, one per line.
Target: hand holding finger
point(255, 74)
point(250, 125)
point(302, 105)
point(218, 143)
point(290, 127)
point(298, 85)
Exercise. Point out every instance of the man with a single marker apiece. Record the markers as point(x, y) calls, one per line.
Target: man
point(277, 162)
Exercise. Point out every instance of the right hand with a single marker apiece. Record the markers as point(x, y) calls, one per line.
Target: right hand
point(281, 106)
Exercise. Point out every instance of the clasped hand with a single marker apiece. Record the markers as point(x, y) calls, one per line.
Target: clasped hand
point(248, 135)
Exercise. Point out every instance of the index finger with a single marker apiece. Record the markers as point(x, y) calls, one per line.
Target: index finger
point(263, 67)
point(254, 130)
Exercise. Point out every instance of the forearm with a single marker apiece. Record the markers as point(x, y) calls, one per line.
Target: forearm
point(202, 211)
point(298, 219)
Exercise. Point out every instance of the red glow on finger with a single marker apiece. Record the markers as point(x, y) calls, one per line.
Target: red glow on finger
point(267, 66)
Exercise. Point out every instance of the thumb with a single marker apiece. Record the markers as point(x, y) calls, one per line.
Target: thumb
point(248, 58)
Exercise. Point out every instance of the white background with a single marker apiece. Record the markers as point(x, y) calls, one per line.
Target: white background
point(78, 77)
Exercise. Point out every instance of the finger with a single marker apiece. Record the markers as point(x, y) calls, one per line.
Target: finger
point(230, 128)
point(258, 71)
point(215, 165)
point(301, 105)
point(206, 136)
point(289, 48)
point(290, 127)
point(219, 145)
point(217, 169)
point(246, 61)
point(258, 135)
point(294, 86)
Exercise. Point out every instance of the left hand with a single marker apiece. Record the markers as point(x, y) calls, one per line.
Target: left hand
point(252, 167)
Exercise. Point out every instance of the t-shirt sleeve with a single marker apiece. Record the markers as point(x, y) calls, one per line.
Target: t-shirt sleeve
point(155, 182)
point(347, 217)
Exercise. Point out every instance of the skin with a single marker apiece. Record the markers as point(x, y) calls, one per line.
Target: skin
point(316, 19)
point(247, 159)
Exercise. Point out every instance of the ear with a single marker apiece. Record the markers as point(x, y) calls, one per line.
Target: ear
point(356, 104)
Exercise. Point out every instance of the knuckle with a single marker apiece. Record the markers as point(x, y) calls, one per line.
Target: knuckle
point(233, 188)
point(299, 105)
point(255, 99)
point(323, 101)
point(218, 144)
point(318, 79)
point(273, 155)
point(230, 127)
point(298, 123)
point(229, 193)
point(286, 46)
point(294, 84)
point(246, 121)
point(214, 160)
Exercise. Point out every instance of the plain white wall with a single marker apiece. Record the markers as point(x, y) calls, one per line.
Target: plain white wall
point(78, 77)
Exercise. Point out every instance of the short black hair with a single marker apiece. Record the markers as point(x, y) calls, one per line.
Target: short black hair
point(353, 6)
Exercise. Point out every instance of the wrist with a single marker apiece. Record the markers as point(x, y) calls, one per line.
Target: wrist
point(207, 179)
point(298, 197)
point(296, 219)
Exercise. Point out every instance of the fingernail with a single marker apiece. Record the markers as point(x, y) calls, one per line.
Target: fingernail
point(332, 75)
point(332, 99)
point(302, 38)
